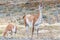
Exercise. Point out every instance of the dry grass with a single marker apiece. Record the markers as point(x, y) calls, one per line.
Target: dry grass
point(53, 31)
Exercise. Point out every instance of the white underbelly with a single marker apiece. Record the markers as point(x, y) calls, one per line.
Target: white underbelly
point(30, 23)
point(14, 29)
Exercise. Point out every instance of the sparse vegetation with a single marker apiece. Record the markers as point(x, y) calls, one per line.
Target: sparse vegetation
point(13, 12)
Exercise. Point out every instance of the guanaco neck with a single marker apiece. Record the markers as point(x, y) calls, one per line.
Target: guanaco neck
point(40, 11)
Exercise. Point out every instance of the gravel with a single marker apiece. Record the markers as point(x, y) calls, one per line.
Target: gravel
point(2, 38)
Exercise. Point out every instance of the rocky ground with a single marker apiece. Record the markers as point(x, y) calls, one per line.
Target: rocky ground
point(1, 38)
point(43, 38)
point(43, 35)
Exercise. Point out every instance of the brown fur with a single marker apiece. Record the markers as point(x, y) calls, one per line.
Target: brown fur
point(31, 18)
point(8, 28)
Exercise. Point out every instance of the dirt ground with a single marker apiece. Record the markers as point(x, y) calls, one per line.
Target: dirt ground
point(45, 33)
